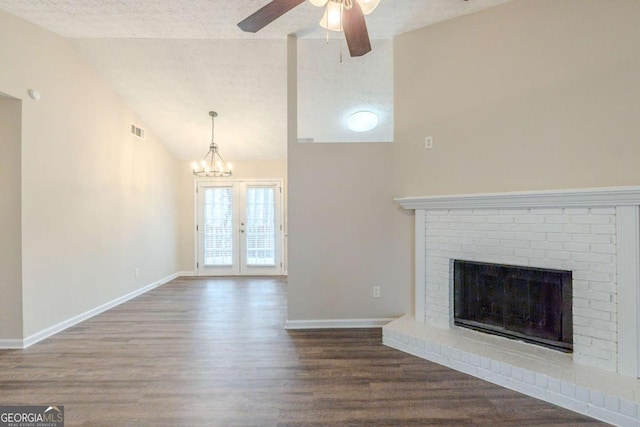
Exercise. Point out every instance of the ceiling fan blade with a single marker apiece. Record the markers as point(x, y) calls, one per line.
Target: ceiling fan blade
point(355, 30)
point(267, 14)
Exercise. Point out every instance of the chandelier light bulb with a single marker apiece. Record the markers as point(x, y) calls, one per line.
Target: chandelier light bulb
point(195, 166)
point(230, 166)
point(318, 3)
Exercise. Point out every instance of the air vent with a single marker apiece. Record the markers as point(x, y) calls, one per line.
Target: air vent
point(137, 131)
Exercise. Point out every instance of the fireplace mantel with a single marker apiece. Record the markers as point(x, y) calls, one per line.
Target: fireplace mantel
point(592, 197)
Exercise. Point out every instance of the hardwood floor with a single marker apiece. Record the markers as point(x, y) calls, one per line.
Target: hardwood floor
point(214, 352)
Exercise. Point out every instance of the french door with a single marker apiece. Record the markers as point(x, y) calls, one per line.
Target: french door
point(239, 228)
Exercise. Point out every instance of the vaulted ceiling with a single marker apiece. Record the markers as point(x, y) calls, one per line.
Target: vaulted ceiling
point(174, 61)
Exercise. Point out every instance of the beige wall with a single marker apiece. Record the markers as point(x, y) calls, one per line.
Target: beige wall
point(10, 221)
point(242, 170)
point(343, 228)
point(528, 95)
point(97, 203)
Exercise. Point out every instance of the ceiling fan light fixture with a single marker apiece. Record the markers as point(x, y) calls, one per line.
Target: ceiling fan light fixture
point(363, 121)
point(318, 3)
point(368, 6)
point(332, 18)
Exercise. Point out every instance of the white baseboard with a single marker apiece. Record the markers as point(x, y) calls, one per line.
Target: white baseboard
point(336, 323)
point(52, 330)
point(185, 273)
point(11, 344)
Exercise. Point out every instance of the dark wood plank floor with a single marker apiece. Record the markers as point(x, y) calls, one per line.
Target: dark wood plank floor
point(200, 352)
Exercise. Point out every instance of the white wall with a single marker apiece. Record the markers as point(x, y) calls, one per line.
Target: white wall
point(10, 221)
point(97, 203)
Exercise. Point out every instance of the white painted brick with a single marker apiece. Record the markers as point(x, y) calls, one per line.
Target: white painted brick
point(517, 373)
point(547, 211)
point(530, 236)
point(554, 385)
point(527, 253)
point(596, 296)
point(547, 228)
point(590, 331)
point(487, 242)
point(577, 228)
point(529, 377)
point(560, 255)
point(567, 402)
point(596, 398)
point(628, 408)
point(589, 313)
point(611, 417)
point(604, 306)
point(593, 238)
point(604, 345)
point(486, 211)
point(575, 266)
point(606, 325)
point(505, 369)
point(603, 287)
point(580, 302)
point(594, 257)
point(580, 320)
point(612, 403)
point(568, 389)
point(514, 227)
point(502, 235)
point(604, 249)
point(576, 247)
point(591, 219)
point(559, 237)
point(514, 243)
point(533, 219)
point(582, 394)
point(603, 268)
point(601, 277)
point(541, 380)
point(500, 251)
point(528, 389)
point(547, 245)
point(603, 229)
point(500, 219)
point(576, 211)
point(487, 226)
point(557, 219)
point(603, 211)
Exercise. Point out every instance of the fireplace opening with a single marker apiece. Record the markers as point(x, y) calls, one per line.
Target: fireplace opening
point(524, 303)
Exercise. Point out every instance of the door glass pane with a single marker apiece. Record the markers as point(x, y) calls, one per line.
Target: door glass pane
point(261, 226)
point(218, 226)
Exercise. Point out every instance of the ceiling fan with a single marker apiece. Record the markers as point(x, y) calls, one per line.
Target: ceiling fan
point(339, 15)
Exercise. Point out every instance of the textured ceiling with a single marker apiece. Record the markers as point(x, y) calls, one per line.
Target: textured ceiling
point(175, 60)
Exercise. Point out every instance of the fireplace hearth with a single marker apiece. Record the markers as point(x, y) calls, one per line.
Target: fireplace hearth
point(524, 303)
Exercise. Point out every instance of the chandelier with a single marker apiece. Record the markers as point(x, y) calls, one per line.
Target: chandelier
point(212, 164)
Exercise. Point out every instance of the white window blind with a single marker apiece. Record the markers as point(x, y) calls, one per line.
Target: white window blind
point(218, 226)
point(261, 226)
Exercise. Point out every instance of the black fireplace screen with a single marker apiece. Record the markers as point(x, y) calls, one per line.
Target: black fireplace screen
point(530, 304)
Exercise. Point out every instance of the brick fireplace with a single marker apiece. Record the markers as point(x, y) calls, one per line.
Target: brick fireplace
point(592, 233)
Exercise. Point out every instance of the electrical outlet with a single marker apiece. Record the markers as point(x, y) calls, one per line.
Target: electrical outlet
point(428, 142)
point(376, 291)
point(137, 272)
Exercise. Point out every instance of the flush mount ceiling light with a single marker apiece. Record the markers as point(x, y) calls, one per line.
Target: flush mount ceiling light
point(362, 121)
point(212, 164)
